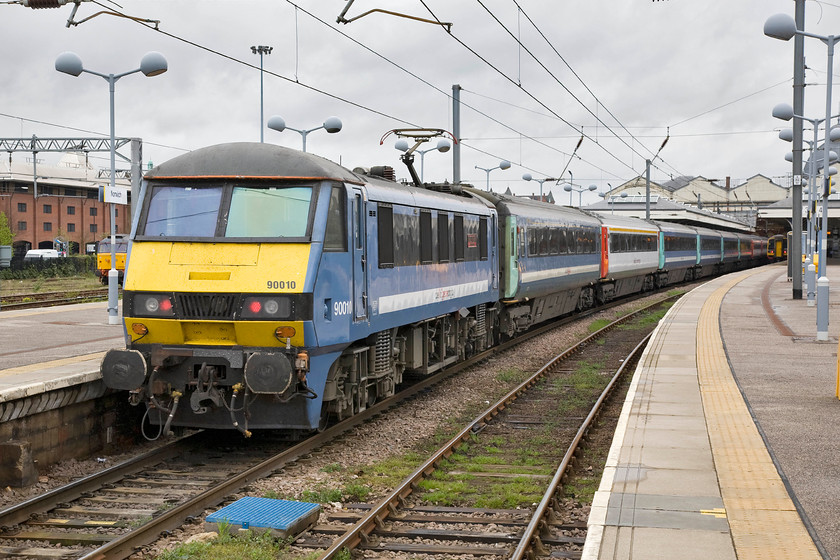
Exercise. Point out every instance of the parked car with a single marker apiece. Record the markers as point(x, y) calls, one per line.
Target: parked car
point(40, 254)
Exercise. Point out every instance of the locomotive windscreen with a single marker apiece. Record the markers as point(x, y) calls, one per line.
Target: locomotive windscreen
point(246, 212)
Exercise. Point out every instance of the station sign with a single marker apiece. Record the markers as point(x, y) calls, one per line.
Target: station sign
point(115, 195)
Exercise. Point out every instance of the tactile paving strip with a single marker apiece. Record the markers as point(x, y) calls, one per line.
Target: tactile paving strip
point(762, 518)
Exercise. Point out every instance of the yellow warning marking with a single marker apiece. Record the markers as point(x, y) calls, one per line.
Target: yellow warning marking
point(52, 363)
point(720, 513)
point(763, 521)
point(58, 521)
point(100, 522)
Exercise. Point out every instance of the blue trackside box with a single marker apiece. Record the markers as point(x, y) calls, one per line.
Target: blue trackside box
point(283, 518)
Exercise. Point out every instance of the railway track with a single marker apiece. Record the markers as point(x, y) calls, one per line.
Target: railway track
point(115, 513)
point(501, 457)
point(47, 299)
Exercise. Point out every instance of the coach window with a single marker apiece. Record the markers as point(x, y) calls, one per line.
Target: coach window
point(443, 237)
point(426, 237)
point(460, 240)
point(335, 238)
point(385, 227)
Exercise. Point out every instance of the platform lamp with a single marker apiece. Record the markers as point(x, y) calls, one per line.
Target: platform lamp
point(503, 164)
point(784, 112)
point(529, 177)
point(782, 26)
point(152, 64)
point(786, 134)
point(331, 125)
point(261, 50)
point(443, 146)
point(568, 187)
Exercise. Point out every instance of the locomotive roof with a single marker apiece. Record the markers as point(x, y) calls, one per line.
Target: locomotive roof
point(397, 193)
point(251, 160)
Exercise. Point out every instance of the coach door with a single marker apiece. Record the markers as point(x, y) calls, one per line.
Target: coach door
point(360, 283)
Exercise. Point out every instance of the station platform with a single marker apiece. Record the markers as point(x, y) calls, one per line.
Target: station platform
point(727, 443)
point(52, 348)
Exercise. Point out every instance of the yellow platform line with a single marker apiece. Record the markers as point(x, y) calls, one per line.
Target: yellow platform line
point(762, 518)
point(51, 364)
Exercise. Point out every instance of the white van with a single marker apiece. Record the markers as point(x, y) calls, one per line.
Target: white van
point(40, 254)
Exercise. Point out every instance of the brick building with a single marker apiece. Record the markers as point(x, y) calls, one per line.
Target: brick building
point(63, 204)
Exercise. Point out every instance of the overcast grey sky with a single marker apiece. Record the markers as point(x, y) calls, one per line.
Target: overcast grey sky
point(701, 70)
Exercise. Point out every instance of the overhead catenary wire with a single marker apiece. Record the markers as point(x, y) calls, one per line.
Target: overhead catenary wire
point(532, 96)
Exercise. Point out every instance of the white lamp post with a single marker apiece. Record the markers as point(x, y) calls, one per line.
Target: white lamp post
point(331, 125)
point(261, 50)
point(782, 26)
point(612, 199)
point(528, 177)
point(503, 164)
point(568, 187)
point(152, 64)
point(443, 146)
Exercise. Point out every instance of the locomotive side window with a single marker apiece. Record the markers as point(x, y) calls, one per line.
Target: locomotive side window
point(358, 212)
point(426, 237)
point(460, 241)
point(406, 235)
point(443, 237)
point(187, 212)
point(335, 237)
point(385, 227)
point(482, 238)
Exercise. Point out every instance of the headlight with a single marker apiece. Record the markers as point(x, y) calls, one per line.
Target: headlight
point(153, 305)
point(266, 307)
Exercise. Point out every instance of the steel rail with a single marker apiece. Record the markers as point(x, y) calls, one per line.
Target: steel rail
point(21, 512)
point(379, 513)
point(539, 522)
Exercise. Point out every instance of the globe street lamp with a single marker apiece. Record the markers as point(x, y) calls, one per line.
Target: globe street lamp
point(782, 26)
point(528, 177)
point(814, 164)
point(784, 112)
point(568, 187)
point(261, 50)
point(443, 146)
point(152, 64)
point(612, 199)
point(503, 164)
point(331, 125)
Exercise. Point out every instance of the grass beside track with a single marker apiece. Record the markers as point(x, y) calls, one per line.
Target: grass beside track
point(38, 285)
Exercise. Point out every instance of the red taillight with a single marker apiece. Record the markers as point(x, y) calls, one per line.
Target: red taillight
point(254, 306)
point(166, 305)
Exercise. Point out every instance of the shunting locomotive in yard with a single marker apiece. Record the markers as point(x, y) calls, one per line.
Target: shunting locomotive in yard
point(268, 288)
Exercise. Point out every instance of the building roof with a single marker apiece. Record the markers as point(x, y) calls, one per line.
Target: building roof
point(668, 211)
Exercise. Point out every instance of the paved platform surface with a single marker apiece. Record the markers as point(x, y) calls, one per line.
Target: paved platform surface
point(52, 348)
point(728, 444)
